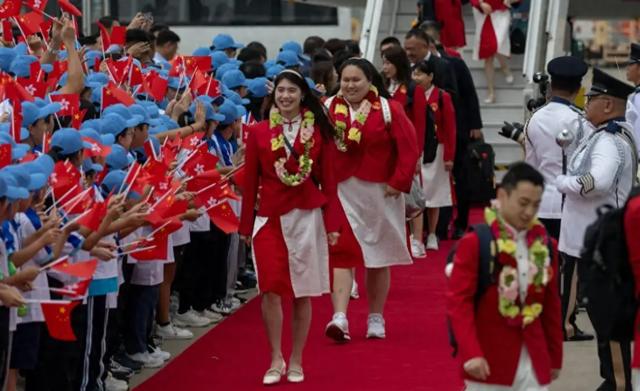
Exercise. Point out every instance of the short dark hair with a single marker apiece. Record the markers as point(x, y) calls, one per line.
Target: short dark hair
point(390, 41)
point(419, 34)
point(521, 172)
point(311, 44)
point(249, 54)
point(258, 46)
point(321, 54)
point(157, 27)
point(167, 36)
point(563, 84)
point(252, 69)
point(107, 21)
point(138, 35)
point(334, 45)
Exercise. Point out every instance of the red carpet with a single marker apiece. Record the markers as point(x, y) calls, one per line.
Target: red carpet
point(415, 356)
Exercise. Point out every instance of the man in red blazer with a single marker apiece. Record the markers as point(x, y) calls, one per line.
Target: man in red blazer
point(516, 346)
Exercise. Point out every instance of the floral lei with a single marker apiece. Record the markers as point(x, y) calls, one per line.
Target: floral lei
point(341, 118)
point(278, 147)
point(540, 271)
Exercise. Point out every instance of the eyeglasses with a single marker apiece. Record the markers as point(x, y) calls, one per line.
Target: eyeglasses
point(593, 97)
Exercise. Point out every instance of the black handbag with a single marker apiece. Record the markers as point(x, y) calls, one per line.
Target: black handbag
point(430, 137)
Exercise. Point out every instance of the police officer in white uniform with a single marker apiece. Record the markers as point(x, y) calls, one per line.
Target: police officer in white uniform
point(600, 171)
point(633, 104)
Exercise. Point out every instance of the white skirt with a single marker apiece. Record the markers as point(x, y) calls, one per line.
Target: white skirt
point(501, 21)
point(436, 182)
point(378, 222)
point(305, 236)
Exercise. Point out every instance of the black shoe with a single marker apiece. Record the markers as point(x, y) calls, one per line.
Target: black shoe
point(458, 233)
point(579, 336)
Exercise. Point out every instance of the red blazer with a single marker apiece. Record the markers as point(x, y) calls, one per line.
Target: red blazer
point(449, 14)
point(275, 197)
point(383, 155)
point(401, 96)
point(497, 5)
point(632, 232)
point(445, 119)
point(482, 332)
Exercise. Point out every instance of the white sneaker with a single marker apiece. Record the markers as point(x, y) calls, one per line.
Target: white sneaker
point(432, 242)
point(509, 78)
point(159, 354)
point(338, 328)
point(113, 384)
point(375, 326)
point(212, 316)
point(146, 360)
point(221, 307)
point(190, 319)
point(172, 332)
point(417, 249)
point(354, 290)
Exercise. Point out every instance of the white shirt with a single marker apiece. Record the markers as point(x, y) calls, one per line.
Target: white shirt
point(633, 115)
point(543, 153)
point(600, 186)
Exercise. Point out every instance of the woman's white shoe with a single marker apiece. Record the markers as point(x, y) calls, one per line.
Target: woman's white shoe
point(295, 376)
point(274, 375)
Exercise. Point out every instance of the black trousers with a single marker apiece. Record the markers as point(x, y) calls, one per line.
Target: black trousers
point(567, 268)
point(4, 345)
point(140, 315)
point(614, 356)
point(92, 371)
point(462, 187)
point(204, 271)
point(553, 227)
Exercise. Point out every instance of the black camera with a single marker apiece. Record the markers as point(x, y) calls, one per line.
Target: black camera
point(542, 80)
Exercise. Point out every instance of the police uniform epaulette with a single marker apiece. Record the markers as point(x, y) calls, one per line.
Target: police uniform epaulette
point(613, 127)
point(577, 109)
point(637, 90)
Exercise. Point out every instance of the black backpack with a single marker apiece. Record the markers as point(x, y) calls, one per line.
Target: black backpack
point(480, 163)
point(608, 288)
point(430, 136)
point(486, 265)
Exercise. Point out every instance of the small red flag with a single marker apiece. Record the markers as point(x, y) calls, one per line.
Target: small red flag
point(198, 81)
point(118, 35)
point(191, 142)
point(156, 252)
point(16, 122)
point(96, 150)
point(76, 120)
point(93, 219)
point(66, 6)
point(105, 37)
point(5, 155)
point(82, 269)
point(200, 163)
point(10, 8)
point(58, 319)
point(70, 103)
point(7, 31)
point(112, 95)
point(30, 22)
point(203, 63)
point(155, 85)
point(37, 5)
point(223, 217)
point(64, 177)
point(239, 177)
point(77, 290)
point(35, 88)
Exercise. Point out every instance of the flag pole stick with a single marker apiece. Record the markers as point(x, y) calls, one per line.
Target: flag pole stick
point(52, 264)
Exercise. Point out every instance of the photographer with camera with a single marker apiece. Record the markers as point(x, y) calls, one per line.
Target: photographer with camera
point(542, 150)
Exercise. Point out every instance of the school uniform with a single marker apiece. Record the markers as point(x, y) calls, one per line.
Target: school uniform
point(373, 226)
point(492, 31)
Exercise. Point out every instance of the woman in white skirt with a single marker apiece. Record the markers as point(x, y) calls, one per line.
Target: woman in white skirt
point(436, 172)
point(493, 19)
point(289, 169)
point(375, 163)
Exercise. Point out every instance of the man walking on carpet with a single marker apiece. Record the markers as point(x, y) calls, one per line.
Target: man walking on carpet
point(502, 299)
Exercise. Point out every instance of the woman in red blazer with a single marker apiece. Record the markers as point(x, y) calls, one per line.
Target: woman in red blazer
point(511, 333)
point(375, 163)
point(288, 174)
point(436, 174)
point(396, 74)
point(449, 14)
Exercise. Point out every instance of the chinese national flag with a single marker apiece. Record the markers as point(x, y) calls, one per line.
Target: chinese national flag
point(199, 81)
point(155, 85)
point(119, 69)
point(112, 95)
point(10, 8)
point(177, 67)
point(93, 219)
point(212, 88)
point(239, 177)
point(45, 27)
point(191, 142)
point(77, 118)
point(5, 155)
point(64, 177)
point(118, 35)
point(58, 319)
point(155, 170)
point(82, 269)
point(16, 122)
point(150, 151)
point(83, 204)
point(66, 6)
point(30, 22)
point(203, 63)
point(7, 31)
point(158, 250)
point(200, 163)
point(70, 103)
point(169, 225)
point(223, 217)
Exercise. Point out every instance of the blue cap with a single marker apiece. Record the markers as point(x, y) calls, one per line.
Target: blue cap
point(168, 122)
point(218, 59)
point(21, 65)
point(225, 41)
point(113, 48)
point(230, 112)
point(258, 87)
point(91, 56)
point(104, 139)
point(236, 98)
point(295, 47)
point(125, 112)
point(114, 124)
point(159, 128)
point(174, 83)
point(201, 51)
point(97, 77)
point(210, 115)
point(17, 150)
point(140, 111)
point(88, 165)
point(119, 158)
point(31, 112)
point(27, 179)
point(287, 58)
point(43, 164)
point(6, 127)
point(13, 191)
point(224, 68)
point(95, 124)
point(234, 79)
point(113, 183)
point(274, 71)
point(68, 140)
point(6, 58)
